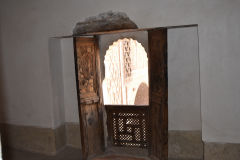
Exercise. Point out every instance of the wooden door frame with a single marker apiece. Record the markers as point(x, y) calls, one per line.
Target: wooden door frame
point(163, 147)
point(98, 100)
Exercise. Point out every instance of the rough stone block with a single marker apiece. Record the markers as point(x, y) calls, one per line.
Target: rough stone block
point(107, 21)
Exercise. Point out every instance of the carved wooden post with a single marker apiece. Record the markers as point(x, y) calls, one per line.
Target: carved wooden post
point(86, 63)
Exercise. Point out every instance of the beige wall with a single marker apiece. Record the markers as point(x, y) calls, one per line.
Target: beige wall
point(25, 71)
point(183, 79)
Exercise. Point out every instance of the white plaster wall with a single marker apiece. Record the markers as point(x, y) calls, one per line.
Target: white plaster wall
point(57, 82)
point(183, 79)
point(26, 26)
point(69, 80)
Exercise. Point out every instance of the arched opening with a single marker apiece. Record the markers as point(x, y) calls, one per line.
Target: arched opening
point(126, 68)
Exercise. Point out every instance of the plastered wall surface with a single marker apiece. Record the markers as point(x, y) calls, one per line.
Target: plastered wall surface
point(70, 92)
point(26, 26)
point(57, 81)
point(183, 79)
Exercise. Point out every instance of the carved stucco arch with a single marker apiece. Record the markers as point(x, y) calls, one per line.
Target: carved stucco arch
point(126, 67)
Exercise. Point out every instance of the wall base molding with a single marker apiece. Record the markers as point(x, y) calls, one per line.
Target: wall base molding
point(34, 139)
point(73, 138)
point(185, 144)
point(221, 151)
point(182, 144)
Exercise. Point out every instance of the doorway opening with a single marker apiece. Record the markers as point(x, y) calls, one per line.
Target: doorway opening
point(126, 74)
point(126, 85)
point(125, 123)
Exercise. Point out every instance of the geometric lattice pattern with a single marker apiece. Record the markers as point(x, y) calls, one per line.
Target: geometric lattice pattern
point(128, 128)
point(127, 59)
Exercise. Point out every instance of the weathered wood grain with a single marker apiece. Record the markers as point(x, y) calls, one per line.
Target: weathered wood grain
point(158, 93)
point(86, 62)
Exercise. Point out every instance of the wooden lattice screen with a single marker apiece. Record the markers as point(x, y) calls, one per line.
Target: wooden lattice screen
point(128, 126)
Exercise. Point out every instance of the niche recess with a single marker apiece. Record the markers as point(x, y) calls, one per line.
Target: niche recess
point(130, 73)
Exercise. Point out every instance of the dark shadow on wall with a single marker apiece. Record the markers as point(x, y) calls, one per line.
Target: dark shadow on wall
point(3, 116)
point(2, 85)
point(4, 129)
point(142, 95)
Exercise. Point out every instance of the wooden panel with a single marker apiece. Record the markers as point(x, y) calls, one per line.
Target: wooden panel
point(86, 63)
point(158, 93)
